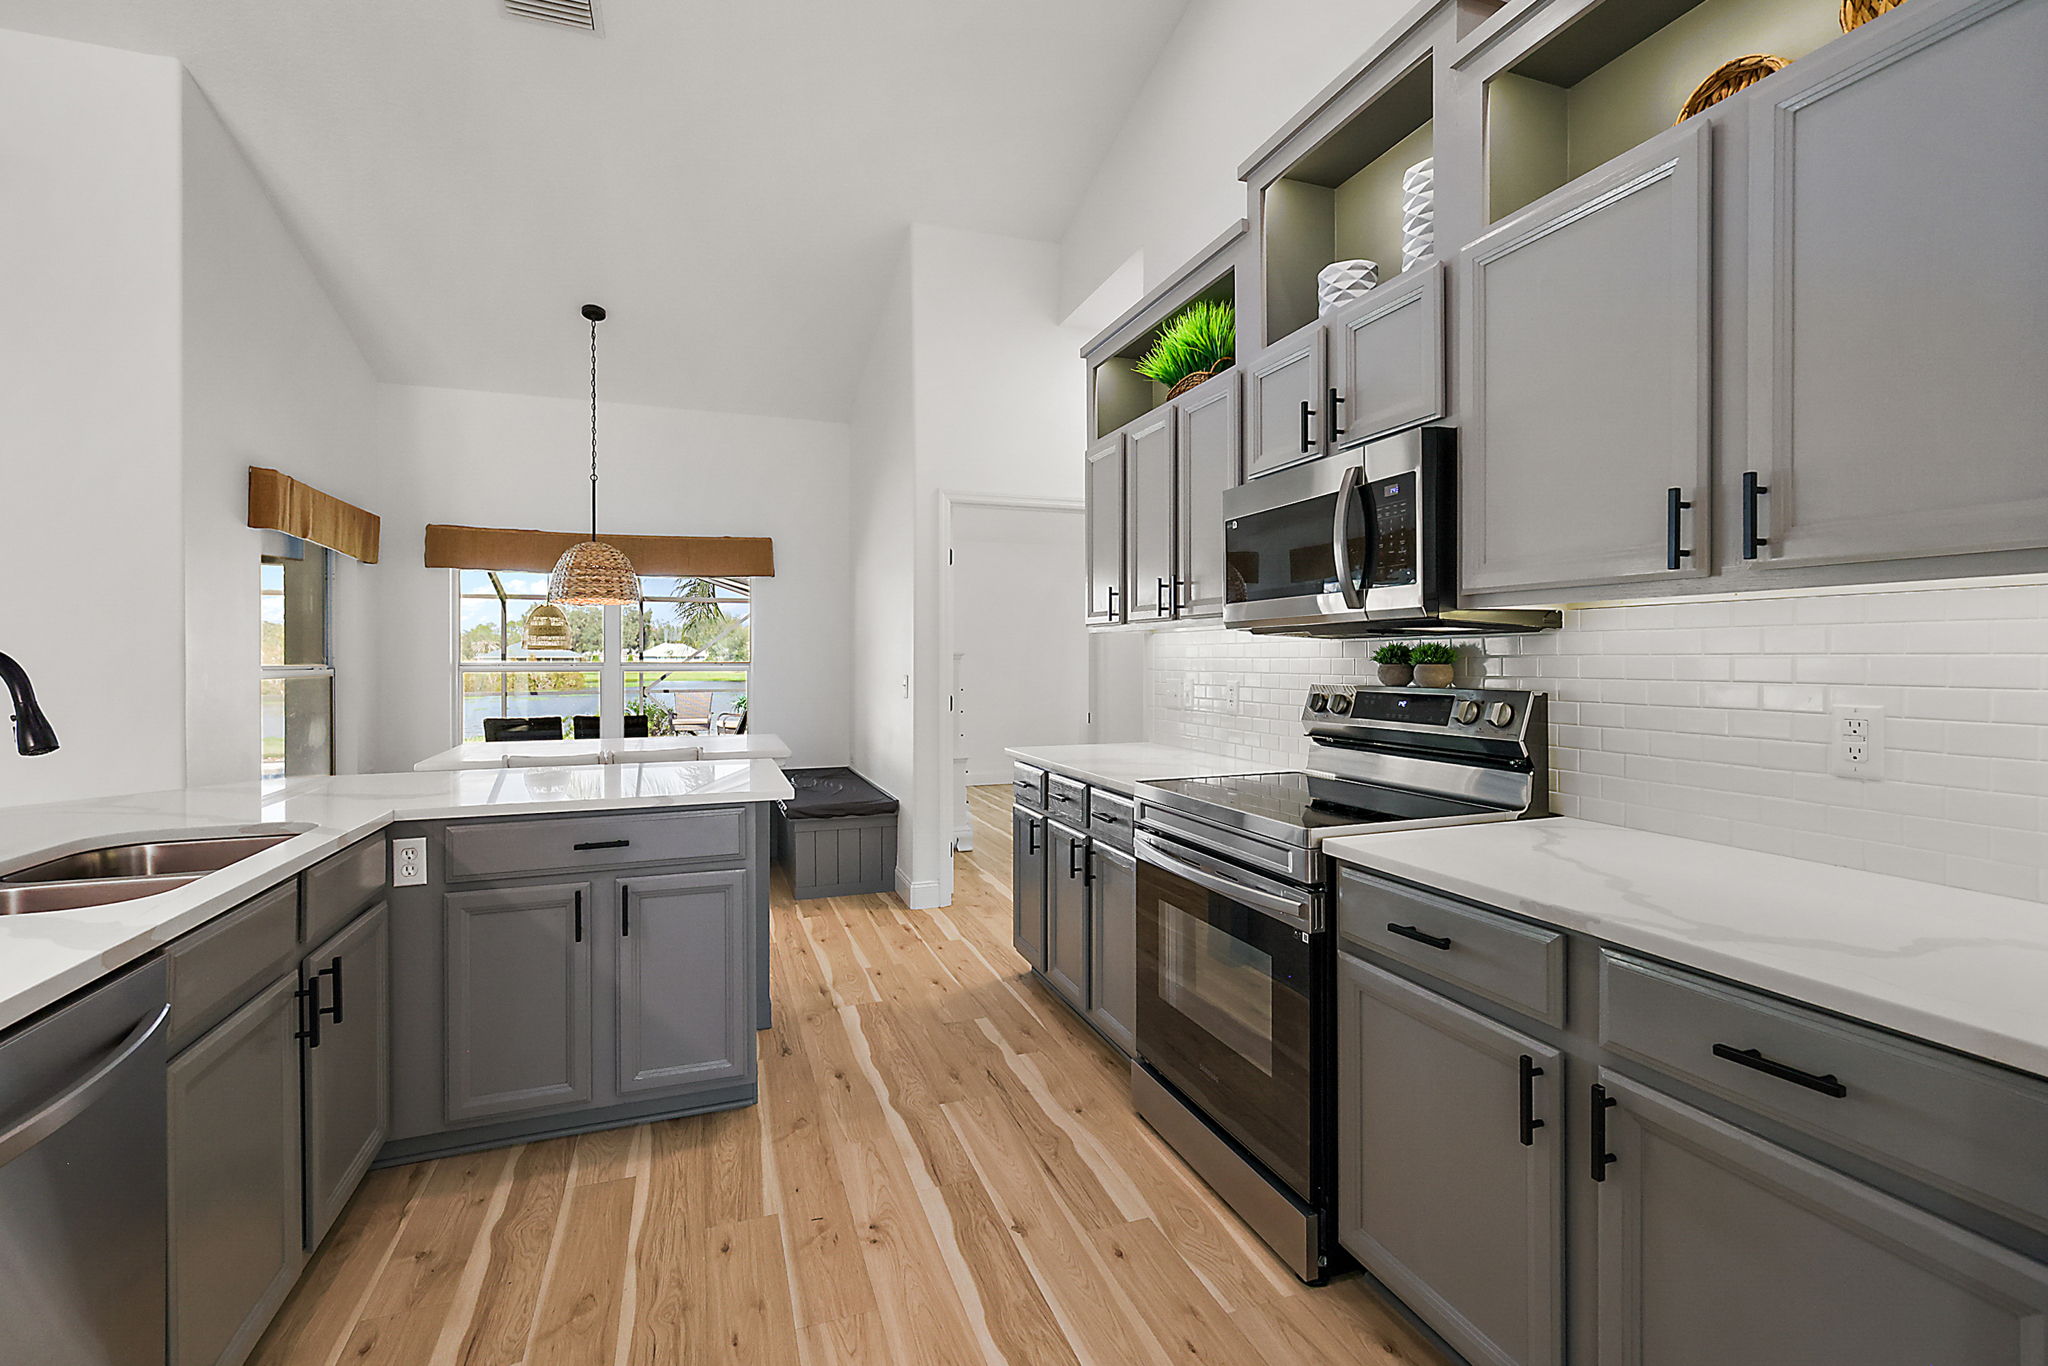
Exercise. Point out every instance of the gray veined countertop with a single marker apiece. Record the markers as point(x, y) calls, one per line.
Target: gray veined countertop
point(47, 956)
point(1121, 767)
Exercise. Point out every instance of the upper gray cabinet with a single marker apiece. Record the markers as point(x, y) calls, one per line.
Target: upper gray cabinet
point(1387, 354)
point(518, 989)
point(684, 946)
point(1206, 446)
point(1149, 469)
point(1586, 454)
point(1898, 311)
point(1285, 413)
point(1105, 532)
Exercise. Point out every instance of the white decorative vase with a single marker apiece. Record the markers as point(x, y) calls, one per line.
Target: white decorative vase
point(1418, 212)
point(1340, 283)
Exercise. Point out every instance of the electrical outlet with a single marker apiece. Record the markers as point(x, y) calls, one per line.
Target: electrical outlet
point(409, 862)
point(1856, 746)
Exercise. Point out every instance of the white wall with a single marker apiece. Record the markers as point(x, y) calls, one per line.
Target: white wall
point(511, 460)
point(1023, 652)
point(90, 542)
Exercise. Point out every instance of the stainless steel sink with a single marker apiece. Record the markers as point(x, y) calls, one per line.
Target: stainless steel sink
point(17, 899)
point(157, 859)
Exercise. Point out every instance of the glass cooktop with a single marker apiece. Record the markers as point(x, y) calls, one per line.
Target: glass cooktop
point(1303, 802)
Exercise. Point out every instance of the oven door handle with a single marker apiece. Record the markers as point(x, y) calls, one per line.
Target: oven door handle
point(1298, 912)
point(1340, 544)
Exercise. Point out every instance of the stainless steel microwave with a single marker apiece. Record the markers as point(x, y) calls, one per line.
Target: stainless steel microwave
point(1356, 544)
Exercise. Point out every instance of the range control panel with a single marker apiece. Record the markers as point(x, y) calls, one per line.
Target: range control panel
point(1482, 711)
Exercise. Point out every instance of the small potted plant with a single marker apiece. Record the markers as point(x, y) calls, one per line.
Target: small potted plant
point(1436, 665)
point(1396, 663)
point(1196, 345)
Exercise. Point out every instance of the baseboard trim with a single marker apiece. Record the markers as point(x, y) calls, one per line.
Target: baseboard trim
point(919, 896)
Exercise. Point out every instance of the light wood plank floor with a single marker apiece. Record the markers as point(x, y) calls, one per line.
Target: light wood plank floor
point(943, 1169)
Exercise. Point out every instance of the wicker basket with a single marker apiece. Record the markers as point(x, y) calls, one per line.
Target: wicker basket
point(1730, 77)
point(1856, 13)
point(1188, 382)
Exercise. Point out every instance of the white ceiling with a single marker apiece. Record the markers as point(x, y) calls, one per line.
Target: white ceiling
point(730, 177)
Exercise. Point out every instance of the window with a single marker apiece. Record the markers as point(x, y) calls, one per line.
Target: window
point(297, 685)
point(681, 658)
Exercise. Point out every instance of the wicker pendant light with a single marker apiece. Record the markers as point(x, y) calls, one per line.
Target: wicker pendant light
point(591, 573)
point(547, 628)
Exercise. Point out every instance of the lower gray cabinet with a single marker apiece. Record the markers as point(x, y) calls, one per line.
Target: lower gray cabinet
point(1450, 1176)
point(347, 1065)
point(1113, 945)
point(1066, 913)
point(684, 981)
point(1717, 1246)
point(236, 1231)
point(517, 998)
point(1027, 885)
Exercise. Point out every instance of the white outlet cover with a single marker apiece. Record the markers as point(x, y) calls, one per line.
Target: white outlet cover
point(409, 862)
point(1856, 743)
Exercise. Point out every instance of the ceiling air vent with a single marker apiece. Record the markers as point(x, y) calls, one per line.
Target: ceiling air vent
point(578, 14)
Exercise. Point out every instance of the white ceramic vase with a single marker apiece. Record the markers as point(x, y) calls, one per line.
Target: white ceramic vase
point(1339, 283)
point(1418, 212)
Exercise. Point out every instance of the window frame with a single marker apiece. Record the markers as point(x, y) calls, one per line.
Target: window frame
point(286, 552)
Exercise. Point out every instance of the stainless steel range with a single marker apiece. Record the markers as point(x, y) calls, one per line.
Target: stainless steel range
point(1236, 967)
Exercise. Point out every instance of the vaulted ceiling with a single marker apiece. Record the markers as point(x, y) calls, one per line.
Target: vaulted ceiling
point(731, 179)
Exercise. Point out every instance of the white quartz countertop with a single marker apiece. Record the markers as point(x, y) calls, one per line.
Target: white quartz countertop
point(46, 956)
point(1963, 969)
point(627, 750)
point(1121, 767)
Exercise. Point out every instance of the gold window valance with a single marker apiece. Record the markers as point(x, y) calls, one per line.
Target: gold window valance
point(278, 502)
point(682, 557)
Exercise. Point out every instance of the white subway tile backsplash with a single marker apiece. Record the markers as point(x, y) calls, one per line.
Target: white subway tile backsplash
point(1711, 720)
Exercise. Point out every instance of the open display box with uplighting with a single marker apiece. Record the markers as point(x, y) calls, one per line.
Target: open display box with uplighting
point(1122, 395)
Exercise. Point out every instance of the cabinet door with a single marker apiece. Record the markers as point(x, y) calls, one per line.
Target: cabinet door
point(1589, 329)
point(1105, 532)
point(1066, 914)
point(1210, 436)
point(1897, 329)
point(517, 966)
point(1284, 392)
point(1388, 353)
point(348, 1072)
point(1027, 885)
point(685, 981)
point(1716, 1245)
point(1148, 498)
point(1450, 1170)
point(1113, 946)
point(236, 1228)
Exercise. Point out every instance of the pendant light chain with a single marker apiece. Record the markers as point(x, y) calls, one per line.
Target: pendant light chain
point(593, 429)
point(593, 573)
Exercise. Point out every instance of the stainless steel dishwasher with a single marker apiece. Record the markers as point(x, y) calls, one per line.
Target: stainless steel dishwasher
point(82, 1179)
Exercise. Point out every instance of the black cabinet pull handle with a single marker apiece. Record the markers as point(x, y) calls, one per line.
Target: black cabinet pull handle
point(1030, 837)
point(1336, 402)
point(1752, 491)
point(1073, 858)
point(1674, 504)
point(333, 969)
point(307, 998)
point(579, 917)
point(625, 913)
point(1419, 936)
point(1530, 1124)
point(601, 844)
point(1306, 413)
point(1602, 1159)
point(1160, 597)
point(1824, 1082)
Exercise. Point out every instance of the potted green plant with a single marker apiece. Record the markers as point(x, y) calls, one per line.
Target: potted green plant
point(1396, 663)
point(1436, 665)
point(1196, 344)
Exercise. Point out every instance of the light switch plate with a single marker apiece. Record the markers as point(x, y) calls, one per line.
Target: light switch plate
point(1856, 743)
point(409, 862)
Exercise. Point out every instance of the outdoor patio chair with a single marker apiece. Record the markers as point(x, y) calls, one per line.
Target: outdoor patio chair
point(522, 728)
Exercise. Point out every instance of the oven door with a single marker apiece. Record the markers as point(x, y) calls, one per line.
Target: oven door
point(1293, 548)
point(1230, 1005)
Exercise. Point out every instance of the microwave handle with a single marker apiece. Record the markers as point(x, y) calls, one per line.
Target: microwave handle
point(1340, 544)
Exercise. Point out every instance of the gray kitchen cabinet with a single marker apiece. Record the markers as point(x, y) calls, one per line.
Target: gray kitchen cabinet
point(1104, 532)
point(1450, 1175)
point(1208, 438)
point(1149, 520)
point(236, 1231)
point(1028, 885)
point(347, 1065)
point(684, 945)
point(517, 983)
point(1113, 945)
point(1066, 913)
point(1896, 330)
point(1716, 1245)
point(1387, 352)
point(1587, 378)
point(1285, 388)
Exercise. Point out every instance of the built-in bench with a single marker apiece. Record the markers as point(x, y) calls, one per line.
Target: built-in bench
point(837, 835)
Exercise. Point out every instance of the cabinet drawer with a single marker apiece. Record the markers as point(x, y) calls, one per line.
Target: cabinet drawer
point(1067, 799)
point(1517, 965)
point(1027, 786)
point(216, 968)
point(1110, 818)
point(1966, 1127)
point(334, 889)
point(510, 848)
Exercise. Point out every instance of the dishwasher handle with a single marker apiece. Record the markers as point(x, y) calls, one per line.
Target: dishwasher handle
point(72, 1101)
